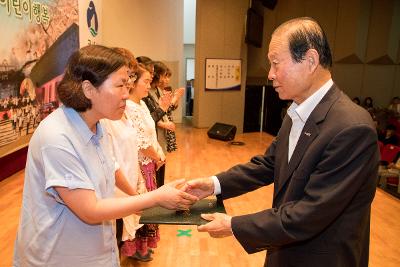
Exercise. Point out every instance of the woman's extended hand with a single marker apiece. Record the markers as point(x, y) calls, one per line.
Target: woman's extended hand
point(170, 196)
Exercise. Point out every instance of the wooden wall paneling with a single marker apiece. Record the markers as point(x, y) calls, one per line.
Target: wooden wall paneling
point(234, 22)
point(384, 32)
point(257, 57)
point(378, 79)
point(233, 101)
point(325, 12)
point(257, 60)
point(235, 48)
point(288, 9)
point(394, 44)
point(210, 35)
point(349, 78)
point(396, 87)
point(351, 31)
point(398, 53)
point(220, 25)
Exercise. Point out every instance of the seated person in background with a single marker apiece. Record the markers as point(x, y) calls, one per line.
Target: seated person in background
point(376, 122)
point(357, 100)
point(389, 136)
point(368, 103)
point(394, 106)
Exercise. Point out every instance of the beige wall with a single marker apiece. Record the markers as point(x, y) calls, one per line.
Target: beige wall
point(152, 28)
point(364, 36)
point(219, 34)
point(85, 37)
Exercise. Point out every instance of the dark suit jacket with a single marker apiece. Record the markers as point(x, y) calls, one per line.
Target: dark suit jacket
point(322, 197)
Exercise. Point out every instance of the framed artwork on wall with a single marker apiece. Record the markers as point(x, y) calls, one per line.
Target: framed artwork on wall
point(223, 74)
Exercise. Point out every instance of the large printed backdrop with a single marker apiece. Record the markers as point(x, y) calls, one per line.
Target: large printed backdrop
point(37, 39)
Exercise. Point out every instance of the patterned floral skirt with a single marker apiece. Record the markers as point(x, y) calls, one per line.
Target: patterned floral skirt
point(148, 235)
point(170, 138)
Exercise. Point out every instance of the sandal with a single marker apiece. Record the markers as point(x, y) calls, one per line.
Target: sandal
point(144, 258)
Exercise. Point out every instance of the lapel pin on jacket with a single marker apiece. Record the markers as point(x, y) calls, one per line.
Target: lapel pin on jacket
point(307, 133)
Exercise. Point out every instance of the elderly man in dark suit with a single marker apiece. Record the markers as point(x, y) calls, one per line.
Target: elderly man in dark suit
point(323, 164)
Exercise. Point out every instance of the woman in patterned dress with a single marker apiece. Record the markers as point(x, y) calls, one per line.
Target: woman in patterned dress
point(151, 156)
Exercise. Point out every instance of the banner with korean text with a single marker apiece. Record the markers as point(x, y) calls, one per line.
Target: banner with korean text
point(37, 38)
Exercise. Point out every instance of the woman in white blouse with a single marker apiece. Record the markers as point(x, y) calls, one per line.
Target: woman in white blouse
point(151, 156)
point(125, 149)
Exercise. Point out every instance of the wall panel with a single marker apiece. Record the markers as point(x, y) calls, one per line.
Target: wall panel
point(325, 12)
point(384, 32)
point(351, 31)
point(288, 9)
point(396, 87)
point(349, 78)
point(219, 34)
point(379, 79)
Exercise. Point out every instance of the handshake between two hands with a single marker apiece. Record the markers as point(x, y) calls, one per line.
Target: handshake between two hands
point(187, 193)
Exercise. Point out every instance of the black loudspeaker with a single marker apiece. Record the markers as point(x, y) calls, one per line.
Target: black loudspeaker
point(222, 131)
point(269, 3)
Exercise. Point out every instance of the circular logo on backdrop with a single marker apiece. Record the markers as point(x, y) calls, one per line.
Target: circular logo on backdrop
point(91, 17)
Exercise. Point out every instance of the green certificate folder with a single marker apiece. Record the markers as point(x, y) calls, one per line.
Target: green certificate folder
point(160, 215)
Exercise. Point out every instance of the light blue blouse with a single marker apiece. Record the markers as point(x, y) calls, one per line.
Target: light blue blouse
point(64, 152)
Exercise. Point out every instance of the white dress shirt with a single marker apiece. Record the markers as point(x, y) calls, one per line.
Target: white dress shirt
point(300, 113)
point(123, 137)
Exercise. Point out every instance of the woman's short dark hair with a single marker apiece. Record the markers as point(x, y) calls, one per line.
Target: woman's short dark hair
point(303, 34)
point(144, 60)
point(93, 63)
point(131, 60)
point(159, 69)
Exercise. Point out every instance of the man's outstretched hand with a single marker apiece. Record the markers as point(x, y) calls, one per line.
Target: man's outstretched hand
point(200, 187)
point(219, 225)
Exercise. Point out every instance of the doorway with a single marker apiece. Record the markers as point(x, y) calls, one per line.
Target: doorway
point(189, 40)
point(190, 63)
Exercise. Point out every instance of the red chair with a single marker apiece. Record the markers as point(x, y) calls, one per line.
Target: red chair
point(389, 153)
point(392, 181)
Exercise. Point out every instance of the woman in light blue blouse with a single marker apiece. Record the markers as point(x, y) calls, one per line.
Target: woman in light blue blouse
point(68, 208)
